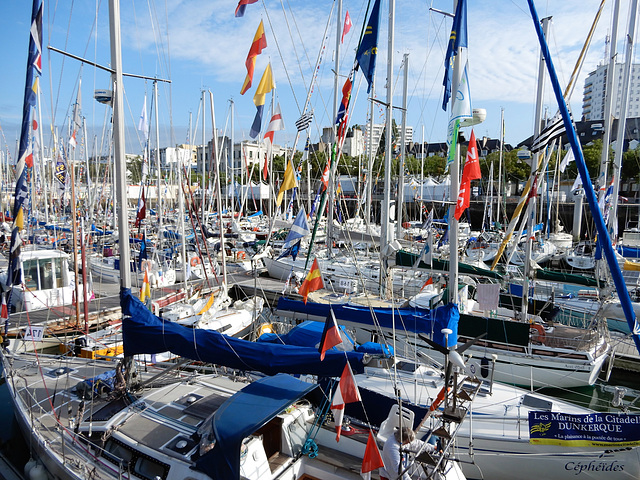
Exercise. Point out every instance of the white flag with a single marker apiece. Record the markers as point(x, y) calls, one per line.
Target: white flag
point(143, 122)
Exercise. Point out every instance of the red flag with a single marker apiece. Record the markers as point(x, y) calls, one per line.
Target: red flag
point(428, 282)
point(347, 26)
point(330, 336)
point(325, 174)
point(313, 281)
point(343, 111)
point(142, 210)
point(259, 43)
point(4, 312)
point(347, 392)
point(242, 5)
point(372, 458)
point(471, 172)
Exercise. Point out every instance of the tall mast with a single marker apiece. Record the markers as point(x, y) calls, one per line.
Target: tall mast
point(203, 185)
point(157, 153)
point(608, 100)
point(386, 232)
point(231, 184)
point(624, 104)
point(372, 155)
point(334, 164)
point(118, 144)
point(402, 148)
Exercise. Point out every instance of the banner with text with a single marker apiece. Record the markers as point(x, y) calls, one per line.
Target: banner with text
point(589, 430)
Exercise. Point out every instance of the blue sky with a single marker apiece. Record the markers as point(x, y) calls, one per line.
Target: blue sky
point(199, 44)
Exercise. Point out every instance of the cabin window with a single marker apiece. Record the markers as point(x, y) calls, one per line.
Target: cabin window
point(30, 268)
point(46, 274)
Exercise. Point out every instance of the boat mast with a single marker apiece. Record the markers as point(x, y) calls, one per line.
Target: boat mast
point(119, 145)
point(400, 195)
point(386, 231)
point(500, 186)
point(622, 122)
point(334, 138)
point(608, 96)
point(157, 153)
point(372, 155)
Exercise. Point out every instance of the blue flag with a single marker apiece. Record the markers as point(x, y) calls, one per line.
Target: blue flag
point(458, 39)
point(368, 49)
point(299, 230)
point(143, 251)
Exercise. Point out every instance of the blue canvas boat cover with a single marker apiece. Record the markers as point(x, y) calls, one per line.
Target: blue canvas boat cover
point(417, 320)
point(243, 414)
point(145, 333)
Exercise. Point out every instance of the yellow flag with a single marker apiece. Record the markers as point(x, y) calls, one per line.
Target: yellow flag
point(145, 291)
point(265, 86)
point(288, 183)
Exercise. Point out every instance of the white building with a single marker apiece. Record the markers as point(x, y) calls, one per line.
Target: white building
point(594, 92)
point(377, 130)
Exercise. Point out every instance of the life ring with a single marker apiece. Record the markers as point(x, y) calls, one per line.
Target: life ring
point(241, 255)
point(539, 331)
point(195, 261)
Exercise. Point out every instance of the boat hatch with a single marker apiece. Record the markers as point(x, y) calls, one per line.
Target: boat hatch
point(58, 372)
point(188, 399)
point(131, 460)
point(182, 444)
point(538, 403)
point(205, 407)
point(109, 410)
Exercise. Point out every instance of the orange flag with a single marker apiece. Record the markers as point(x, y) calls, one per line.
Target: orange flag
point(471, 172)
point(259, 43)
point(313, 281)
point(347, 392)
point(372, 458)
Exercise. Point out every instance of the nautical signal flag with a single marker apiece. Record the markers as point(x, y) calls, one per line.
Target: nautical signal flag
point(471, 172)
point(276, 123)
point(142, 210)
point(330, 335)
point(242, 5)
point(288, 182)
point(372, 458)
point(145, 291)
point(265, 86)
point(4, 311)
point(347, 392)
point(368, 49)
point(259, 43)
point(457, 41)
point(313, 281)
point(343, 111)
point(347, 26)
point(36, 36)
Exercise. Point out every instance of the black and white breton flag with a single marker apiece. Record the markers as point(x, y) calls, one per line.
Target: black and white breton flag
point(554, 130)
point(304, 121)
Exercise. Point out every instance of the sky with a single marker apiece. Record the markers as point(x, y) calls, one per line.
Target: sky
point(200, 46)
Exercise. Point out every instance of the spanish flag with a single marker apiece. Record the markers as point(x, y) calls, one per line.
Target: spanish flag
point(313, 281)
point(145, 291)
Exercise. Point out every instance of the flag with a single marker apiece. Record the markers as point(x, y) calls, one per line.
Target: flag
point(265, 86)
point(368, 50)
point(36, 37)
point(61, 171)
point(313, 281)
point(428, 282)
point(4, 311)
point(343, 111)
point(372, 458)
point(304, 121)
point(259, 43)
point(553, 131)
point(145, 291)
point(347, 392)
point(242, 5)
point(347, 26)
point(143, 251)
point(330, 335)
point(566, 160)
point(276, 123)
point(142, 210)
point(288, 183)
point(460, 109)
point(457, 41)
point(325, 174)
point(299, 230)
point(143, 121)
point(471, 172)
point(77, 116)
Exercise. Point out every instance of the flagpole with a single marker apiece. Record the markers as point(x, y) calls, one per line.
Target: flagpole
point(402, 149)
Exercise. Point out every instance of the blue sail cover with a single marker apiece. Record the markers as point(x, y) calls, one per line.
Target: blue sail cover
point(145, 333)
point(417, 320)
point(243, 414)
